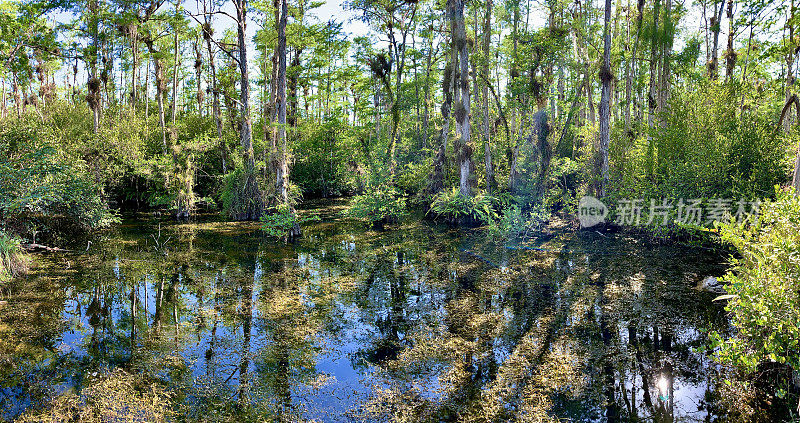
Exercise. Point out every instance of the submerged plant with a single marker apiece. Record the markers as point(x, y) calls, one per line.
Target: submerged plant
point(115, 396)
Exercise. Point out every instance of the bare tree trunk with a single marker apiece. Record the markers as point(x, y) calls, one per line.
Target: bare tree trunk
point(487, 40)
point(605, 80)
point(282, 174)
point(175, 79)
point(716, 26)
point(730, 54)
point(463, 149)
point(250, 199)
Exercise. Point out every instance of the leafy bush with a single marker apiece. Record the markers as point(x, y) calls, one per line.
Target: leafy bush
point(456, 208)
point(413, 177)
point(705, 148)
point(38, 183)
point(382, 204)
point(763, 285)
point(283, 221)
point(13, 260)
point(328, 166)
point(764, 289)
point(514, 222)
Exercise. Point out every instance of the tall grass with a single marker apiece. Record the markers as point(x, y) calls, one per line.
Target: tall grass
point(13, 259)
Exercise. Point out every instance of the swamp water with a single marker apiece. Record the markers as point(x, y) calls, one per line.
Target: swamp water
point(420, 322)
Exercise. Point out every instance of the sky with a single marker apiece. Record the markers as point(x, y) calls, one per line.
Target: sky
point(330, 10)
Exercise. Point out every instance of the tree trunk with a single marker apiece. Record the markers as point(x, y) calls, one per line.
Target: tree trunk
point(133, 34)
point(161, 86)
point(730, 54)
point(250, 202)
point(605, 80)
point(436, 183)
point(487, 40)
point(198, 71)
point(282, 174)
point(93, 96)
point(666, 55)
point(175, 78)
point(146, 90)
point(463, 149)
point(716, 26)
point(652, 96)
point(291, 85)
point(790, 62)
point(513, 152)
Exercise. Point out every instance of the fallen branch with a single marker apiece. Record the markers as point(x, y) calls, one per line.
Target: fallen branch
point(40, 247)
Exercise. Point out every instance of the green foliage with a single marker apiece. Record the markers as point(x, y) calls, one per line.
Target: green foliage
point(13, 260)
point(413, 177)
point(283, 221)
point(328, 163)
point(455, 208)
point(763, 288)
point(705, 148)
point(382, 203)
point(513, 222)
point(39, 182)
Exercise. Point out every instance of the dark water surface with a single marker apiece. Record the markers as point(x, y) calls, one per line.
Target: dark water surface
point(420, 322)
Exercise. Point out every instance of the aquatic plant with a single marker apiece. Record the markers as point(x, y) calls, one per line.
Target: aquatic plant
point(115, 396)
point(456, 208)
point(284, 221)
point(13, 259)
point(382, 204)
point(514, 221)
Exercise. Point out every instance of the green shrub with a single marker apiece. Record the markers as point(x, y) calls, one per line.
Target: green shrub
point(13, 260)
point(513, 222)
point(763, 287)
point(702, 148)
point(283, 220)
point(382, 204)
point(37, 183)
point(456, 208)
point(413, 177)
point(328, 165)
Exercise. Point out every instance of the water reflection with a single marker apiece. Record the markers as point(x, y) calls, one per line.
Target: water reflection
point(419, 323)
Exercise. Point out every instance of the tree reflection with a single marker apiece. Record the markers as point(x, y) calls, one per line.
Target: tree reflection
point(426, 329)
